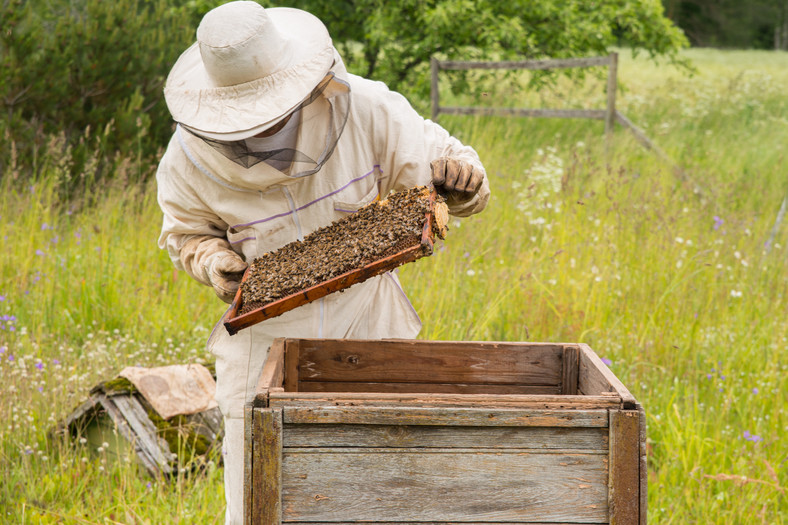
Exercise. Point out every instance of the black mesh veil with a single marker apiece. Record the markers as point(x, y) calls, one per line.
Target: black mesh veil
point(330, 92)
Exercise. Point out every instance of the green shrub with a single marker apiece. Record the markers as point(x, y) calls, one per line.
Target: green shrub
point(72, 66)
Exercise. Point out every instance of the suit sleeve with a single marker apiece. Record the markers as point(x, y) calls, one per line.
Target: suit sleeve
point(191, 232)
point(406, 143)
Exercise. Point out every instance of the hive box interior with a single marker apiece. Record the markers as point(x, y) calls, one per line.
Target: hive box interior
point(400, 431)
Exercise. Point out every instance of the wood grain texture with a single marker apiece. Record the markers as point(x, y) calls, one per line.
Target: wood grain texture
point(140, 446)
point(292, 357)
point(479, 401)
point(267, 469)
point(402, 486)
point(403, 436)
point(446, 416)
point(427, 388)
point(290, 522)
point(145, 431)
point(249, 445)
point(624, 479)
point(595, 377)
point(407, 361)
point(569, 370)
point(643, 467)
point(273, 372)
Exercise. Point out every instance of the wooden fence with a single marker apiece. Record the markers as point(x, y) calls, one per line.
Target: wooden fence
point(608, 114)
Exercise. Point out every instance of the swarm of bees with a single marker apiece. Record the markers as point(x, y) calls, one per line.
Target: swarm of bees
point(376, 231)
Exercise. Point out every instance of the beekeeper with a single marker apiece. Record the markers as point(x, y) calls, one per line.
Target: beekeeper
point(275, 139)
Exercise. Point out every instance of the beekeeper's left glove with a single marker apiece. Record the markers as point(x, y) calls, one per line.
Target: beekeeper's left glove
point(457, 179)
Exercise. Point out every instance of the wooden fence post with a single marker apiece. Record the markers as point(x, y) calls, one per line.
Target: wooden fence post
point(434, 95)
point(612, 87)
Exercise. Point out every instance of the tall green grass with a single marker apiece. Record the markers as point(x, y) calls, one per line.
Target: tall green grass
point(581, 242)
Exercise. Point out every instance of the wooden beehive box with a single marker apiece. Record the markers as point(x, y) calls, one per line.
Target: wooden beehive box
point(435, 432)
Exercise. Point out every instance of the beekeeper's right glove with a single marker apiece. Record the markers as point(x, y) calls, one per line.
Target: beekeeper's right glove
point(211, 261)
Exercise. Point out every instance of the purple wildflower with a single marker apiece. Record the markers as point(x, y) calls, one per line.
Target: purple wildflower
point(40, 252)
point(10, 357)
point(708, 376)
point(2, 349)
point(717, 222)
point(755, 390)
point(41, 389)
point(752, 437)
point(40, 365)
point(28, 451)
point(55, 362)
point(2, 298)
point(45, 226)
point(607, 361)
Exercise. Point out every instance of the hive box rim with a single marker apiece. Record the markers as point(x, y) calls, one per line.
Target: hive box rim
point(271, 387)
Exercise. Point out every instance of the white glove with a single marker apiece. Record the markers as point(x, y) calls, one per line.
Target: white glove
point(211, 261)
point(225, 269)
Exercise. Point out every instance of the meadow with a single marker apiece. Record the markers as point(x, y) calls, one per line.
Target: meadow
point(679, 280)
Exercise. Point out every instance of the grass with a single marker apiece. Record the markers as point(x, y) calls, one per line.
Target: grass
point(684, 292)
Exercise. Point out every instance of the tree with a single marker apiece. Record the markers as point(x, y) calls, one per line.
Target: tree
point(393, 41)
point(761, 24)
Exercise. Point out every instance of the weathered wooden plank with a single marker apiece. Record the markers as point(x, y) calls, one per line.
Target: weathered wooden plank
point(292, 357)
point(212, 420)
point(407, 361)
point(145, 431)
point(480, 401)
point(598, 114)
point(426, 388)
point(249, 479)
point(624, 479)
point(122, 424)
point(459, 416)
point(643, 467)
point(553, 63)
point(273, 372)
point(267, 468)
point(290, 522)
point(546, 438)
point(402, 486)
point(595, 377)
point(569, 370)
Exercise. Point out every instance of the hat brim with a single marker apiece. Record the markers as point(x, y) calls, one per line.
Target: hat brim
point(240, 111)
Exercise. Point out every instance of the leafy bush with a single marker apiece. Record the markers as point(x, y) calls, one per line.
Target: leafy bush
point(88, 68)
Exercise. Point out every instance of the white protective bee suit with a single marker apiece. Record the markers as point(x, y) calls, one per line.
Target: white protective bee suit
point(214, 205)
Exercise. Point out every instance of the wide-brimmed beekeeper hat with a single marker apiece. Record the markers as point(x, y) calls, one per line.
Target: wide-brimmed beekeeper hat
point(249, 68)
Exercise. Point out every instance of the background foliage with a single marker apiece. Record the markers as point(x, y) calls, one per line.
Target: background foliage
point(82, 79)
point(756, 24)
